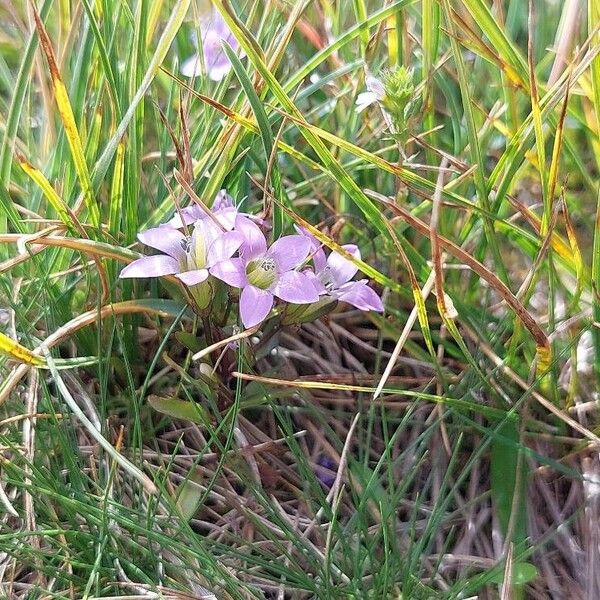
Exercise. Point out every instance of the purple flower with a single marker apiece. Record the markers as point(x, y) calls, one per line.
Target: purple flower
point(222, 209)
point(333, 274)
point(214, 31)
point(187, 257)
point(326, 470)
point(263, 273)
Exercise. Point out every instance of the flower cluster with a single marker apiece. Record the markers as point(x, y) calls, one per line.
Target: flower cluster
point(226, 245)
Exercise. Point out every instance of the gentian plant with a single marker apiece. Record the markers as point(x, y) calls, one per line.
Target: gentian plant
point(224, 247)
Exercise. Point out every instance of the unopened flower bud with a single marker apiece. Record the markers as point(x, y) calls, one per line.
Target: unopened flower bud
point(305, 313)
point(399, 99)
point(202, 293)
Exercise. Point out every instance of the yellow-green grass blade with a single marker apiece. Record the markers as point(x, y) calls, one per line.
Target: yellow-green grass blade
point(18, 352)
point(504, 46)
point(58, 204)
point(70, 126)
point(171, 28)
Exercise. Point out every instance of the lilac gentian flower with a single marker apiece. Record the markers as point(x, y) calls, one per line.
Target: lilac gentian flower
point(333, 274)
point(333, 277)
point(214, 31)
point(375, 93)
point(189, 258)
point(263, 273)
point(222, 209)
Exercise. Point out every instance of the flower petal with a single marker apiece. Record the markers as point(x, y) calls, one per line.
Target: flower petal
point(289, 251)
point(255, 305)
point(375, 86)
point(341, 269)
point(326, 469)
point(207, 230)
point(206, 233)
point(296, 287)
point(193, 277)
point(151, 266)
point(214, 33)
point(319, 260)
point(219, 68)
point(222, 200)
point(363, 100)
point(316, 249)
point(359, 294)
point(255, 243)
point(226, 216)
point(191, 67)
point(210, 18)
point(211, 21)
point(164, 238)
point(186, 216)
point(316, 282)
point(232, 272)
point(224, 247)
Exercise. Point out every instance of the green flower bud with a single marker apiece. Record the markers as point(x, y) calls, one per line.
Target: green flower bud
point(399, 100)
point(202, 293)
point(304, 313)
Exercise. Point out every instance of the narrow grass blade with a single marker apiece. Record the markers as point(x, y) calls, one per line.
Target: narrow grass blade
point(334, 168)
point(266, 135)
point(68, 119)
point(487, 411)
point(166, 308)
point(17, 102)
point(404, 335)
point(474, 147)
point(538, 126)
point(104, 59)
point(58, 204)
point(352, 33)
point(506, 49)
point(116, 191)
point(593, 26)
point(171, 28)
point(125, 464)
point(536, 331)
point(18, 352)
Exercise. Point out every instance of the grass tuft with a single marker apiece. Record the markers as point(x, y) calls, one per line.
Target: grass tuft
point(446, 448)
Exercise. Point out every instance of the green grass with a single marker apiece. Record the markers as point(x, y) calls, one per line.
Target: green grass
point(128, 467)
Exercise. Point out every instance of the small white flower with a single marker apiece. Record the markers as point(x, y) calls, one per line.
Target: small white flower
point(375, 93)
point(585, 353)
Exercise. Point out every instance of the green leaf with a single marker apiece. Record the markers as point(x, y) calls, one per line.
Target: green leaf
point(508, 480)
point(522, 573)
point(508, 53)
point(189, 495)
point(180, 409)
